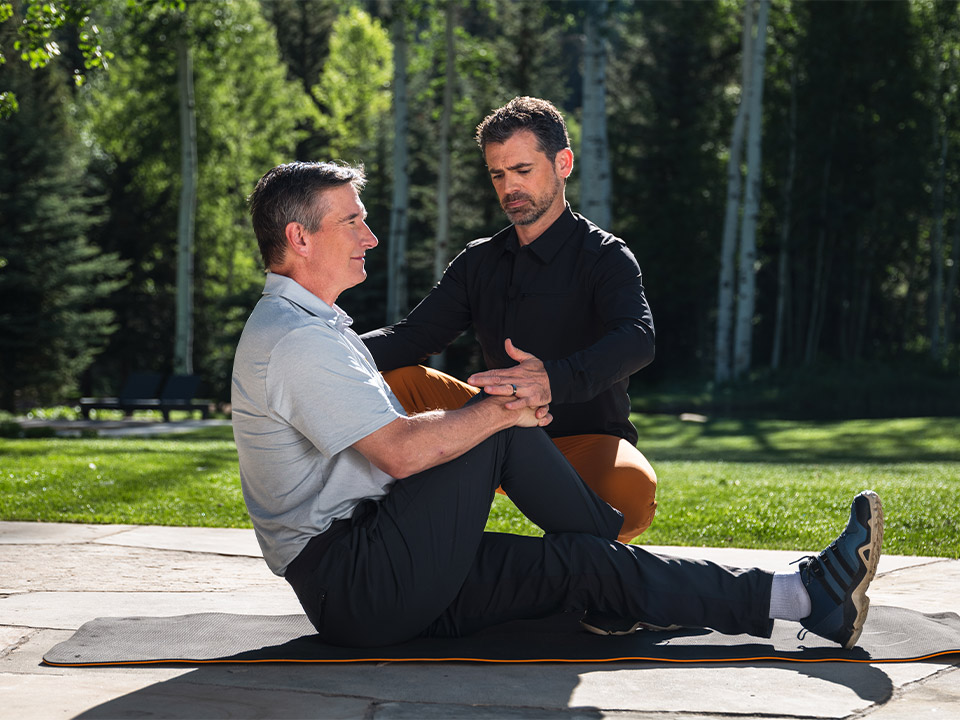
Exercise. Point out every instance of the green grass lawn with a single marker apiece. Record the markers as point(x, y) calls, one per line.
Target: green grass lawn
point(763, 483)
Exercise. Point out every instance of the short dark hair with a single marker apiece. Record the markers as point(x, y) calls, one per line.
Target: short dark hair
point(526, 113)
point(293, 193)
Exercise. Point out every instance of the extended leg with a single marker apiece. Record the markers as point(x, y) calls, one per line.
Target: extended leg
point(523, 577)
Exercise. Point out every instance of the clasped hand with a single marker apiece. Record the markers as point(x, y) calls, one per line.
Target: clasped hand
point(527, 382)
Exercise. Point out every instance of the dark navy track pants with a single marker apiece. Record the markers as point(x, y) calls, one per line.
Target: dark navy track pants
point(418, 562)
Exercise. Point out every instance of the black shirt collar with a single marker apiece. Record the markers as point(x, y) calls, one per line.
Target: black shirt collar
point(551, 240)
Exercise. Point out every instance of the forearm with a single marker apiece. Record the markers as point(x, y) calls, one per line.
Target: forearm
point(429, 328)
point(412, 444)
point(437, 437)
point(585, 374)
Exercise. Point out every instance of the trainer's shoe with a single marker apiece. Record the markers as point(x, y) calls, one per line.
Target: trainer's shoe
point(604, 624)
point(837, 578)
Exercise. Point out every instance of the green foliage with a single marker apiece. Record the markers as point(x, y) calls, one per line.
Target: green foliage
point(53, 280)
point(303, 30)
point(39, 25)
point(310, 81)
point(247, 112)
point(354, 87)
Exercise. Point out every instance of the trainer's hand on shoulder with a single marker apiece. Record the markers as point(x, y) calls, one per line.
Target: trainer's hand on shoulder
point(526, 383)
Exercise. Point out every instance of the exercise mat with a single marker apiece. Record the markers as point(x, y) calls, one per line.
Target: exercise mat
point(891, 634)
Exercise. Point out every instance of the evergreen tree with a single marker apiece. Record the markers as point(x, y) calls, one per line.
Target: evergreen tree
point(53, 280)
point(247, 114)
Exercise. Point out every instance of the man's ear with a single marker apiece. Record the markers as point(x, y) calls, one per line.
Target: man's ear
point(297, 239)
point(564, 163)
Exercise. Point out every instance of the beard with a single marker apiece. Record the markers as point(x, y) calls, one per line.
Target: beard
point(536, 205)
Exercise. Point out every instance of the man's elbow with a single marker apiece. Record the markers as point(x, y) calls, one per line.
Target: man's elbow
point(402, 464)
point(646, 348)
point(395, 467)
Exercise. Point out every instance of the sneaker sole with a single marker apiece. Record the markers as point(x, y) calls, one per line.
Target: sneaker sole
point(859, 596)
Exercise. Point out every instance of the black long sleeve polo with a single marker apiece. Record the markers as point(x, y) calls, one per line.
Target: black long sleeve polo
point(573, 297)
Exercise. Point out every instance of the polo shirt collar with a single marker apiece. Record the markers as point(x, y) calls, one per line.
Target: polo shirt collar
point(291, 290)
point(551, 240)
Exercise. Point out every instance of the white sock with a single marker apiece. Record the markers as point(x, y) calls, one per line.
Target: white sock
point(788, 597)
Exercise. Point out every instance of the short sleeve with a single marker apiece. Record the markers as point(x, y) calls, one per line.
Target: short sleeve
point(325, 388)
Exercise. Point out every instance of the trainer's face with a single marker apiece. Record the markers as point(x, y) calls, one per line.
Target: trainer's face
point(528, 184)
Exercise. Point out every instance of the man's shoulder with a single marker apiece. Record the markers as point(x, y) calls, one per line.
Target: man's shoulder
point(275, 320)
point(601, 242)
point(494, 243)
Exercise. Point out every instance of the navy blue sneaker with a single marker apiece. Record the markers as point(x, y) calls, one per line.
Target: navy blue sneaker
point(837, 578)
point(603, 624)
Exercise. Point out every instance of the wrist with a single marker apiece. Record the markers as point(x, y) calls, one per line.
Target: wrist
point(499, 415)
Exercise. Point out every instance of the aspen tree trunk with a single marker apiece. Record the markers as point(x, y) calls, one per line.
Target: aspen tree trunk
point(723, 369)
point(444, 176)
point(951, 324)
point(937, 349)
point(183, 332)
point(397, 239)
point(783, 263)
point(863, 303)
point(747, 276)
point(595, 183)
point(441, 248)
point(821, 264)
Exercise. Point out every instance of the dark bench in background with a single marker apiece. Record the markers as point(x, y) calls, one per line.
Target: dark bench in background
point(147, 391)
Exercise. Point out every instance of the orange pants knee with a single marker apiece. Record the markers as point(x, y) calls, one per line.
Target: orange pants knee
point(611, 466)
point(420, 389)
point(619, 473)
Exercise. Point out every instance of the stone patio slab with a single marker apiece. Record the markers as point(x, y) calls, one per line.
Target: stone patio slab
point(69, 610)
point(128, 570)
point(219, 541)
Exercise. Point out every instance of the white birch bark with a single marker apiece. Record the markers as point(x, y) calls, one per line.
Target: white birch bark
point(821, 262)
point(950, 324)
point(595, 181)
point(444, 176)
point(937, 349)
point(783, 263)
point(747, 276)
point(183, 328)
point(441, 249)
point(723, 369)
point(397, 238)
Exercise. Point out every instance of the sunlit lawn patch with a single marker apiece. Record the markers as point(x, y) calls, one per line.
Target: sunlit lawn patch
point(764, 484)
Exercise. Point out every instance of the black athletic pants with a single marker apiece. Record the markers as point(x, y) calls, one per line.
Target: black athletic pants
point(418, 562)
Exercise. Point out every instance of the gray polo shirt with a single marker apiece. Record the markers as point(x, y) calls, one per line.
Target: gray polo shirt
point(304, 389)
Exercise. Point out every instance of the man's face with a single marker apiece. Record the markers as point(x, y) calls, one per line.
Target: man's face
point(528, 184)
point(337, 261)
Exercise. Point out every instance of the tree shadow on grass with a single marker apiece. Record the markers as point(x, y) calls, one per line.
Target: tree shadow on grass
point(915, 440)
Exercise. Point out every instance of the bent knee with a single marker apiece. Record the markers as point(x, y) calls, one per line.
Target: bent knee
point(636, 520)
point(634, 491)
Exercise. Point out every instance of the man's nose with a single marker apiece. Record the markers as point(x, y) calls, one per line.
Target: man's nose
point(510, 183)
point(371, 239)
